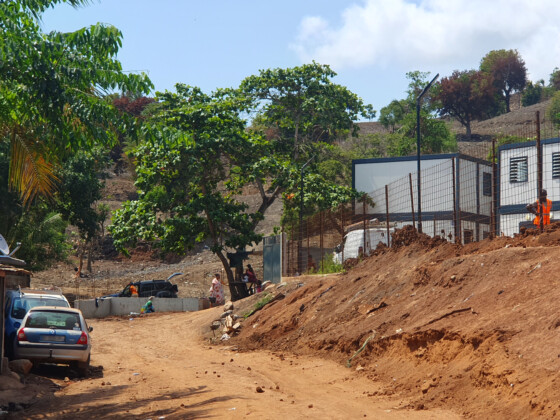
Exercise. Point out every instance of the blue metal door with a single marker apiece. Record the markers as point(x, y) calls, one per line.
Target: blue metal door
point(272, 258)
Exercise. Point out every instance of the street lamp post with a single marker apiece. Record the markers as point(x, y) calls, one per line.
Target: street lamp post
point(300, 254)
point(418, 150)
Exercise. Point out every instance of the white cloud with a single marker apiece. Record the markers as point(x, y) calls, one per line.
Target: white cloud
point(439, 35)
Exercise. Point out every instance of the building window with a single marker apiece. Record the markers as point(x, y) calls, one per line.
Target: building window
point(556, 165)
point(487, 184)
point(518, 169)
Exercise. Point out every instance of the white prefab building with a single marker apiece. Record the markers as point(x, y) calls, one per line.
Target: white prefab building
point(456, 192)
point(518, 182)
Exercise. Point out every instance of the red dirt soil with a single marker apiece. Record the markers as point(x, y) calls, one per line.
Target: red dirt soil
point(468, 328)
point(445, 331)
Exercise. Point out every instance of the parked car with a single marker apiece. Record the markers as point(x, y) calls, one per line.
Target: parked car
point(51, 334)
point(18, 302)
point(147, 288)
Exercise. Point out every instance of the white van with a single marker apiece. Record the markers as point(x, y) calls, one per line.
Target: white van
point(354, 240)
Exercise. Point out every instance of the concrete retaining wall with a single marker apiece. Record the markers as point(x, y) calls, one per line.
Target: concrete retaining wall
point(103, 307)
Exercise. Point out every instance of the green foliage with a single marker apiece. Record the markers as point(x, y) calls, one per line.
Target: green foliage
point(195, 159)
point(328, 265)
point(508, 71)
point(392, 115)
point(304, 106)
point(532, 93)
point(400, 118)
point(42, 237)
point(79, 189)
point(260, 304)
point(555, 79)
point(553, 111)
point(506, 139)
point(50, 91)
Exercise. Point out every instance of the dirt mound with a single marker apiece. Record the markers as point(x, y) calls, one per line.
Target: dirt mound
point(408, 235)
point(472, 328)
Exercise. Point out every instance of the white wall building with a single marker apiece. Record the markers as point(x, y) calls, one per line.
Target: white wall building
point(518, 182)
point(456, 193)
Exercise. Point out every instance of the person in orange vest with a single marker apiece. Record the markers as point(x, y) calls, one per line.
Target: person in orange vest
point(544, 205)
point(133, 290)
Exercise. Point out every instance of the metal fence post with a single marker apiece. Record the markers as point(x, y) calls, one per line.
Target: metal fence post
point(539, 172)
point(454, 200)
point(411, 200)
point(494, 201)
point(387, 213)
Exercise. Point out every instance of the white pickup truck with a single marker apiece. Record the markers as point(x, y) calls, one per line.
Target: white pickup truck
point(354, 240)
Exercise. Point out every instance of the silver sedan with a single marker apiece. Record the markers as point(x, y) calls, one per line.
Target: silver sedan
point(55, 335)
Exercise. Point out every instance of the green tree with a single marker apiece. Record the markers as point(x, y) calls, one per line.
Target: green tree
point(392, 115)
point(400, 118)
point(302, 112)
point(465, 95)
point(80, 188)
point(41, 232)
point(508, 71)
point(553, 111)
point(555, 79)
point(532, 93)
point(193, 163)
point(51, 88)
point(304, 106)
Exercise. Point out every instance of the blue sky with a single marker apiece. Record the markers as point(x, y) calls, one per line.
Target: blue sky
point(371, 44)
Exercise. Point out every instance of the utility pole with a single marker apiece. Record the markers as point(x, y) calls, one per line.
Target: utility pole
point(418, 151)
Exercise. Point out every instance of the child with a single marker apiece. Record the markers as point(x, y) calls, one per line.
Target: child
point(148, 307)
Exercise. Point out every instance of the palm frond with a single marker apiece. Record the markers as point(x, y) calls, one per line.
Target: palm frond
point(30, 173)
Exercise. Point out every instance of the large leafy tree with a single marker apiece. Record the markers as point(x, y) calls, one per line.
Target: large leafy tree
point(466, 96)
point(508, 72)
point(191, 166)
point(304, 106)
point(553, 111)
point(303, 112)
point(51, 88)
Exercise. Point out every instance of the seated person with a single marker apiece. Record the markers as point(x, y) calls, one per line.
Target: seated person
point(148, 307)
point(252, 278)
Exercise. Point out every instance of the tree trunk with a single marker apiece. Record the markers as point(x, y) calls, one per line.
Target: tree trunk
point(507, 99)
point(233, 288)
point(90, 256)
point(468, 127)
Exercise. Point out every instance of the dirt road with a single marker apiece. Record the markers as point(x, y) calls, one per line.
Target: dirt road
point(159, 366)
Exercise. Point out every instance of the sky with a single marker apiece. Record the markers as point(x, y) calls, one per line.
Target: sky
point(370, 44)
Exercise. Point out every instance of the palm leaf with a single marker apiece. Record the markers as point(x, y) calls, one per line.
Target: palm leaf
point(30, 173)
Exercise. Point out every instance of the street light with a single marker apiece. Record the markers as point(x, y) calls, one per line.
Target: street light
point(300, 256)
point(418, 150)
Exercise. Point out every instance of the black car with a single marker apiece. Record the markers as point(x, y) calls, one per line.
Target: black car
point(156, 288)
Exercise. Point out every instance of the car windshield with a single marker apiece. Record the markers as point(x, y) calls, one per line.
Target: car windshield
point(25, 303)
point(53, 319)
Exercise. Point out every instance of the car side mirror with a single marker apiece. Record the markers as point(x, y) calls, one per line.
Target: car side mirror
point(90, 329)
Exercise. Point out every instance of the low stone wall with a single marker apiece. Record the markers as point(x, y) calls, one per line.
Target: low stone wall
point(103, 307)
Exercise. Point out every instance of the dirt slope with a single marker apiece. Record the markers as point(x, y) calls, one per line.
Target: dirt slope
point(473, 328)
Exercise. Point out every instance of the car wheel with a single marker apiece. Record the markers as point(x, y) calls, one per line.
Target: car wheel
point(163, 294)
point(83, 367)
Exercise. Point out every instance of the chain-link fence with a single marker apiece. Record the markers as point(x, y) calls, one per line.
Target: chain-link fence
point(481, 191)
